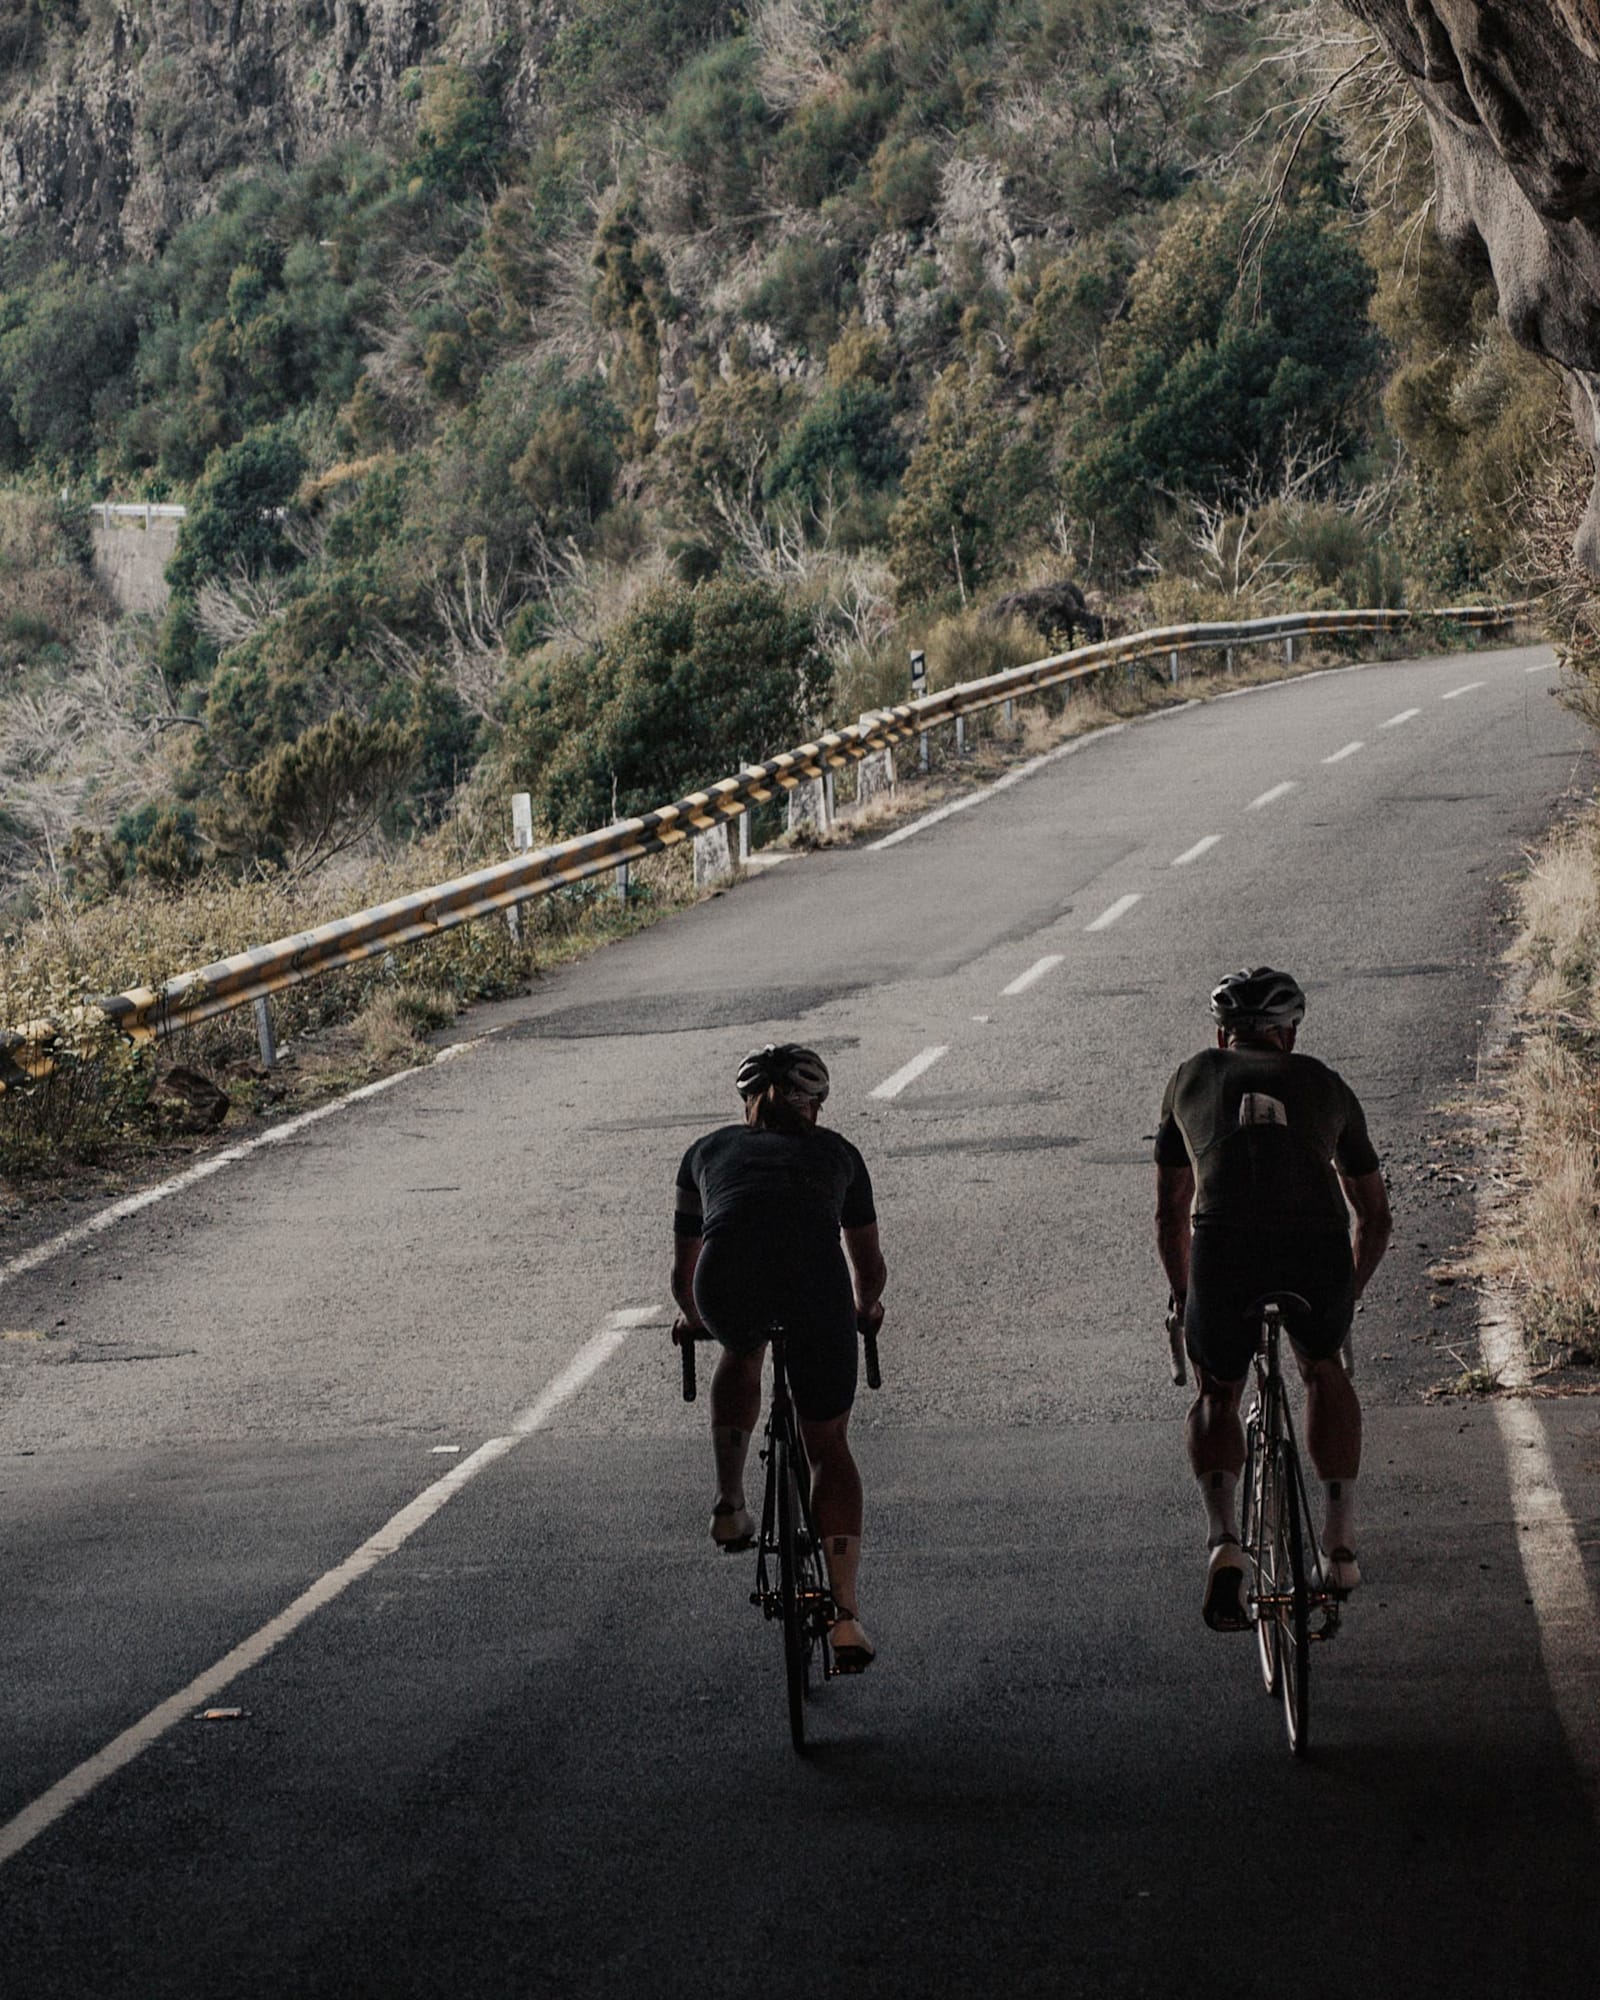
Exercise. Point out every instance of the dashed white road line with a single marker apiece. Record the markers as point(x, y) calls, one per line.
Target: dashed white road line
point(892, 1086)
point(121, 1751)
point(1202, 846)
point(1277, 792)
point(1349, 750)
point(1466, 687)
point(1033, 974)
point(1405, 715)
point(1119, 908)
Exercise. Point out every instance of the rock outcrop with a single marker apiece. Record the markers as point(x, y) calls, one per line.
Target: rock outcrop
point(121, 119)
point(1511, 89)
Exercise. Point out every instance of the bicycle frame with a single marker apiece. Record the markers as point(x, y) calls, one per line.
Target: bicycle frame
point(784, 1455)
point(1270, 1421)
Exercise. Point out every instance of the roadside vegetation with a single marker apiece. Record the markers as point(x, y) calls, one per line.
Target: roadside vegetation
point(592, 438)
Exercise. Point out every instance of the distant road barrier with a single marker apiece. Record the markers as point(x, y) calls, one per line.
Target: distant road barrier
point(251, 977)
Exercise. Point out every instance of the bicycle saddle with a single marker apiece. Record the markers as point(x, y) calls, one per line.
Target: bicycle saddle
point(1289, 1305)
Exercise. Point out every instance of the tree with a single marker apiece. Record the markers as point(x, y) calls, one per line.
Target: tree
point(313, 798)
point(974, 487)
point(695, 683)
point(234, 520)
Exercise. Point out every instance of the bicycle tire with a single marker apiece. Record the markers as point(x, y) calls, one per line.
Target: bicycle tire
point(1294, 1618)
point(791, 1597)
point(1260, 1510)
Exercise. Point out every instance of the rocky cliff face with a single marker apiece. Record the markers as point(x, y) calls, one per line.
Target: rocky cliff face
point(118, 118)
point(1512, 94)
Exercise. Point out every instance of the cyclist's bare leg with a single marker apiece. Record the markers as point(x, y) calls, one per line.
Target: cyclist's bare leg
point(1333, 1438)
point(1333, 1418)
point(1214, 1431)
point(836, 1506)
point(735, 1412)
point(1215, 1436)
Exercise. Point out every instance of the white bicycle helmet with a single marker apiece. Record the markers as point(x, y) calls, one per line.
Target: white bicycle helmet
point(1261, 998)
point(797, 1072)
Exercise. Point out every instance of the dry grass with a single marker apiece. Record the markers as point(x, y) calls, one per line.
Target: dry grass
point(1546, 1237)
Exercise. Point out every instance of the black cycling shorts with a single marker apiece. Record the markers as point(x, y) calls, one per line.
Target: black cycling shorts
point(742, 1285)
point(1230, 1268)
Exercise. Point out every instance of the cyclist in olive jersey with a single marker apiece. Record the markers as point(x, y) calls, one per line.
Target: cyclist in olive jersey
point(1258, 1152)
point(775, 1223)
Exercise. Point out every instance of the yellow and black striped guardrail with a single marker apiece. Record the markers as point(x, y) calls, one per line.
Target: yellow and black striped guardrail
point(148, 1013)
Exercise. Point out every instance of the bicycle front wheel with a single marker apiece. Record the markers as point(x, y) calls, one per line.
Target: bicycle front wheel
point(793, 1597)
point(1293, 1619)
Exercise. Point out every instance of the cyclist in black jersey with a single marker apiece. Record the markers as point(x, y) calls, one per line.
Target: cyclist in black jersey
point(775, 1222)
point(1261, 1157)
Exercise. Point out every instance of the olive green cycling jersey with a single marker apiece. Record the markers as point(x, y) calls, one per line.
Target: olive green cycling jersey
point(1268, 1134)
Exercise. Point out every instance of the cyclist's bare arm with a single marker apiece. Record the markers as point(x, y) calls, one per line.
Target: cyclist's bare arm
point(1174, 1199)
point(685, 1256)
point(1368, 1196)
point(868, 1272)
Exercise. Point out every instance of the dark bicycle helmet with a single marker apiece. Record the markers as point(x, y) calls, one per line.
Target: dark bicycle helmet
point(798, 1072)
point(1259, 999)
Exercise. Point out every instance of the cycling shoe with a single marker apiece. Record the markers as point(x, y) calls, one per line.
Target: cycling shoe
point(1224, 1606)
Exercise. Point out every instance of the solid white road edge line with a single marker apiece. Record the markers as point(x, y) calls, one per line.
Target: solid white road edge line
point(1465, 688)
point(1033, 974)
point(1277, 792)
point(1405, 715)
point(121, 1751)
point(892, 1086)
point(41, 1253)
point(1349, 750)
point(1552, 1562)
point(1540, 667)
point(1202, 846)
point(1000, 784)
point(1119, 908)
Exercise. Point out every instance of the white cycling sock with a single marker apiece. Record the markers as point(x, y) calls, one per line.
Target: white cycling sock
point(1219, 1491)
point(1339, 1526)
point(731, 1447)
point(843, 1553)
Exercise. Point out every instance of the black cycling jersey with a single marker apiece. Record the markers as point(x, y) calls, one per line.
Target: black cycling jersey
point(1264, 1131)
point(799, 1183)
point(769, 1206)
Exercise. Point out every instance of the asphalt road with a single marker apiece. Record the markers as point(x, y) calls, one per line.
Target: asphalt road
point(538, 1746)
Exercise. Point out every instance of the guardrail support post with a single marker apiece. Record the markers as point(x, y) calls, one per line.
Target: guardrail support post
point(713, 863)
point(521, 840)
point(808, 805)
point(875, 772)
point(624, 881)
point(1011, 713)
point(961, 736)
point(1288, 651)
point(744, 838)
point(264, 1041)
point(1230, 659)
point(828, 813)
point(1172, 666)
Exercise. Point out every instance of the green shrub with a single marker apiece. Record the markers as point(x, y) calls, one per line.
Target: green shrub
point(717, 130)
point(234, 516)
point(802, 292)
point(973, 492)
point(905, 182)
point(461, 133)
point(845, 440)
point(694, 683)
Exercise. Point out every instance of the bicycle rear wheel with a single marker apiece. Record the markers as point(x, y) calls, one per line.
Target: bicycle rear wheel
point(793, 1592)
point(1293, 1619)
point(1260, 1517)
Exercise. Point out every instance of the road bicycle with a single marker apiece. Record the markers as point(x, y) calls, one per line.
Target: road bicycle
point(1291, 1604)
point(791, 1573)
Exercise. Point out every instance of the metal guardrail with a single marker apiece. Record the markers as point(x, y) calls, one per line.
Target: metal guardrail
point(139, 514)
point(148, 1013)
